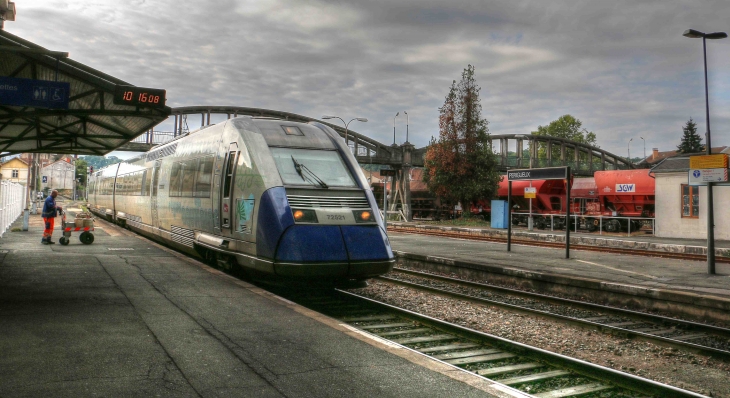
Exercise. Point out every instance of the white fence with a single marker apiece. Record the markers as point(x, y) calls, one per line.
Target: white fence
point(12, 201)
point(600, 226)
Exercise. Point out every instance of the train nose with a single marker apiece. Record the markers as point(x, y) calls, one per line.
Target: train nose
point(347, 251)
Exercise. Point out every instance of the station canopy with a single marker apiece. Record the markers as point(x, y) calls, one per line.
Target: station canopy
point(91, 123)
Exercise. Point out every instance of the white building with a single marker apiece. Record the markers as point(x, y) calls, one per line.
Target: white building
point(57, 175)
point(681, 209)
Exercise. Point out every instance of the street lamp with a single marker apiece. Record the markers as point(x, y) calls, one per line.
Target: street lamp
point(694, 34)
point(628, 148)
point(406, 113)
point(359, 119)
point(642, 138)
point(396, 115)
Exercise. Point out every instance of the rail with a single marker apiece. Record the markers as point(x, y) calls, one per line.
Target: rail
point(706, 338)
point(511, 366)
point(12, 198)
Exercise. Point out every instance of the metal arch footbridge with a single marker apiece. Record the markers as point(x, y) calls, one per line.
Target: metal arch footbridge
point(540, 151)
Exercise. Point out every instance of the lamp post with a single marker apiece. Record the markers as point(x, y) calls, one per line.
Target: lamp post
point(642, 138)
point(359, 119)
point(396, 115)
point(694, 34)
point(406, 113)
point(628, 148)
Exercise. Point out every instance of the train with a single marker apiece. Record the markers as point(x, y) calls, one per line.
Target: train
point(271, 198)
point(614, 200)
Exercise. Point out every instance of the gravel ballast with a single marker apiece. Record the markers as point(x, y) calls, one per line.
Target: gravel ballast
point(671, 366)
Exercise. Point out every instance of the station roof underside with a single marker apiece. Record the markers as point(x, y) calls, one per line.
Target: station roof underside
point(92, 124)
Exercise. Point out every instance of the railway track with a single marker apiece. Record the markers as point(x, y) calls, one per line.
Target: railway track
point(556, 245)
point(530, 370)
point(697, 337)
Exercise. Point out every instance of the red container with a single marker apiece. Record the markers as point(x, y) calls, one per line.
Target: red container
point(627, 193)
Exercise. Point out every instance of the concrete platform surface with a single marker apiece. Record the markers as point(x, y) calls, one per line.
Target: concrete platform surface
point(126, 317)
point(647, 272)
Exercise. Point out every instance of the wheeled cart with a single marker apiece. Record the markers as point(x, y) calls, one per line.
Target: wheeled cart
point(83, 222)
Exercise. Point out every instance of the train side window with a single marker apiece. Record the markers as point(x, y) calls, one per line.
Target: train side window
point(175, 179)
point(138, 184)
point(188, 171)
point(229, 174)
point(204, 177)
point(143, 182)
point(690, 201)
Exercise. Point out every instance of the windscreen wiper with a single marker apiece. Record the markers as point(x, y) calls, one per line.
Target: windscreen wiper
point(300, 168)
point(319, 180)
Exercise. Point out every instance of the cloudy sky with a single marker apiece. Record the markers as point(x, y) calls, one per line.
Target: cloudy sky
point(622, 67)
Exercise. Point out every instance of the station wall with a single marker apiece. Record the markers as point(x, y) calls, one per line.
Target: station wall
point(669, 220)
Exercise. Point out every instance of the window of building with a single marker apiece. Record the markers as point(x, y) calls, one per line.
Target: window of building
point(15, 174)
point(690, 201)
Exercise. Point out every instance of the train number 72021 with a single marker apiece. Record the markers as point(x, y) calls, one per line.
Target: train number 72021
point(338, 217)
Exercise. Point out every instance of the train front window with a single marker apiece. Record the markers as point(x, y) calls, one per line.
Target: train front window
point(321, 168)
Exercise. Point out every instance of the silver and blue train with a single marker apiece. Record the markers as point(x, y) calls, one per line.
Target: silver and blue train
point(271, 197)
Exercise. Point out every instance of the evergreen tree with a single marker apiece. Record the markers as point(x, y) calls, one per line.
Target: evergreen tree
point(460, 165)
point(691, 141)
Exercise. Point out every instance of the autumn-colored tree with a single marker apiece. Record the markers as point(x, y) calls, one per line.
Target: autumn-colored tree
point(461, 165)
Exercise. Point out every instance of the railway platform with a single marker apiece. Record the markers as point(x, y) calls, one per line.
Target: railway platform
point(653, 278)
point(126, 317)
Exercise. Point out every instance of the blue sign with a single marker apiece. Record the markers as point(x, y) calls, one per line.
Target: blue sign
point(45, 179)
point(34, 93)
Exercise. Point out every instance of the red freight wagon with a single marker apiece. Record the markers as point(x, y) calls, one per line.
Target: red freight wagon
point(549, 199)
point(616, 193)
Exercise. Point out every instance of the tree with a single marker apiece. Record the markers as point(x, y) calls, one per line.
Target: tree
point(98, 162)
point(691, 141)
point(81, 171)
point(566, 127)
point(461, 165)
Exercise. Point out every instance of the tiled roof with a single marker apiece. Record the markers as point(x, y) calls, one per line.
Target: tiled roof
point(652, 159)
point(672, 165)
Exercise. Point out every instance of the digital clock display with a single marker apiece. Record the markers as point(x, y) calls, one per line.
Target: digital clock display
point(139, 96)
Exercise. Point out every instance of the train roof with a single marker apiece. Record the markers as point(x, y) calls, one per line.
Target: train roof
point(285, 133)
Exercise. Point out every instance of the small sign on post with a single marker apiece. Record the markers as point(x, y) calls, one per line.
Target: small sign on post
point(703, 176)
point(546, 173)
point(530, 193)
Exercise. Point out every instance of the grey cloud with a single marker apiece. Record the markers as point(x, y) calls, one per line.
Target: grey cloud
point(622, 67)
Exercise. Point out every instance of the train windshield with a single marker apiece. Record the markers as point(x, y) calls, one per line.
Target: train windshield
point(317, 167)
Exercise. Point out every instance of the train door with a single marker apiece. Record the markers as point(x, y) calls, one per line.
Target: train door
point(114, 193)
point(226, 189)
point(153, 196)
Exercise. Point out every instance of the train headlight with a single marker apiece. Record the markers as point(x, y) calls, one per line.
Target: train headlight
point(301, 215)
point(363, 216)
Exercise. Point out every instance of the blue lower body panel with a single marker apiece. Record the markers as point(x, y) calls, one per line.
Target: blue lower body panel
point(333, 251)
